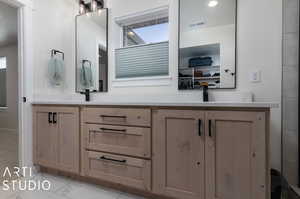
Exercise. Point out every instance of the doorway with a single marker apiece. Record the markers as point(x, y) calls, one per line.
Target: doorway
point(9, 89)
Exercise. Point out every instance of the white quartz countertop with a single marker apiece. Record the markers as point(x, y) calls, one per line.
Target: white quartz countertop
point(161, 104)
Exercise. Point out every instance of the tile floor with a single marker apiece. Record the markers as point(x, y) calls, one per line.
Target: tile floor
point(8, 151)
point(61, 187)
point(64, 188)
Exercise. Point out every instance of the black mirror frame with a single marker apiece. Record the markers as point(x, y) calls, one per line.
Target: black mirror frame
point(236, 49)
point(105, 89)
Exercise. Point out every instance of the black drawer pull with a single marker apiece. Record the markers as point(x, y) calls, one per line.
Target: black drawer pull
point(113, 160)
point(200, 128)
point(117, 130)
point(210, 128)
point(54, 118)
point(50, 118)
point(114, 116)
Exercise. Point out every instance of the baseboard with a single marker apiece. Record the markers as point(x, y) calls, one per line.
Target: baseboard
point(6, 130)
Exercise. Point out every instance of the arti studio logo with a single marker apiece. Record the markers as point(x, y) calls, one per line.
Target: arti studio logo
point(22, 183)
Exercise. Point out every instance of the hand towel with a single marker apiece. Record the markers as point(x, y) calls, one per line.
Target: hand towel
point(56, 68)
point(86, 75)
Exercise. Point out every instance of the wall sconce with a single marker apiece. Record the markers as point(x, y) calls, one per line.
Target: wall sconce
point(90, 6)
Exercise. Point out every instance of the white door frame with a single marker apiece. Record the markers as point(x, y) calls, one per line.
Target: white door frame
point(25, 78)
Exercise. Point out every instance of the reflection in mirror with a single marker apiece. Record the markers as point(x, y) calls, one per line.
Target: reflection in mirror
point(207, 44)
point(91, 51)
point(3, 73)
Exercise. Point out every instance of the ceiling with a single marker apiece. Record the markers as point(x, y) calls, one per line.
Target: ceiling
point(197, 14)
point(8, 25)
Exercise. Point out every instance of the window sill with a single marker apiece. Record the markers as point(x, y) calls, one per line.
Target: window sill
point(142, 81)
point(3, 109)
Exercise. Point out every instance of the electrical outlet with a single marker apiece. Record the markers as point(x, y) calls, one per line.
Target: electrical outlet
point(255, 76)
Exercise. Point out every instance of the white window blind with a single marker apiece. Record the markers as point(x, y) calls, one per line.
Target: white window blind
point(143, 61)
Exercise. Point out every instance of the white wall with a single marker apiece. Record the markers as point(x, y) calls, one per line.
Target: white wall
point(259, 48)
point(53, 28)
point(9, 117)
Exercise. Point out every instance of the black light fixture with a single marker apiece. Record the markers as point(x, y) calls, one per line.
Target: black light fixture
point(90, 6)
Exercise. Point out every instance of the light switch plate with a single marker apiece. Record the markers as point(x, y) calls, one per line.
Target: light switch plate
point(255, 76)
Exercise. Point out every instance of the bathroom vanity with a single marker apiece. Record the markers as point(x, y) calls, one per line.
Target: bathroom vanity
point(173, 150)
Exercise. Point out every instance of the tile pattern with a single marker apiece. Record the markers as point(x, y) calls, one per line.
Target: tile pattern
point(8, 153)
point(65, 188)
point(290, 90)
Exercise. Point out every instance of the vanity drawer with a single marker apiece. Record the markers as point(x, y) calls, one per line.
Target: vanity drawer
point(118, 116)
point(122, 170)
point(133, 141)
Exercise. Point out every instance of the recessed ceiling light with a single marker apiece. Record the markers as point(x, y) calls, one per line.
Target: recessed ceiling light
point(213, 3)
point(131, 33)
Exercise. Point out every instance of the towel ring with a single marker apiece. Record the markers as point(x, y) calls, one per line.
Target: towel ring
point(54, 52)
point(88, 61)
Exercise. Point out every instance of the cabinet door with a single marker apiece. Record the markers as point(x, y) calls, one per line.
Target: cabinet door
point(56, 138)
point(235, 155)
point(68, 139)
point(45, 137)
point(178, 153)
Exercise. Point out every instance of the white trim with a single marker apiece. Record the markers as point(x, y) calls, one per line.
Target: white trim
point(21, 87)
point(25, 85)
point(142, 78)
point(143, 81)
point(19, 3)
point(155, 13)
point(141, 45)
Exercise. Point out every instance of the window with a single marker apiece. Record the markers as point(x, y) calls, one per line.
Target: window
point(144, 52)
point(153, 31)
point(2, 63)
point(3, 82)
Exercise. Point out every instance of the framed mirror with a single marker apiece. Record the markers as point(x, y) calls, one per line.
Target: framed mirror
point(91, 51)
point(207, 44)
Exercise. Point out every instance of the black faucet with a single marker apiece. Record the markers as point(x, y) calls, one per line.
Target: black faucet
point(87, 95)
point(205, 92)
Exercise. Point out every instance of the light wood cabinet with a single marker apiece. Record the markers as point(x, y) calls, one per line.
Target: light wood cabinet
point(125, 140)
point(119, 169)
point(56, 137)
point(200, 153)
point(116, 146)
point(235, 149)
point(226, 160)
point(178, 153)
point(118, 116)
point(45, 138)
